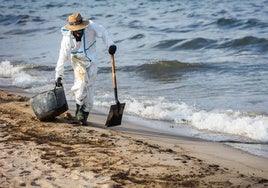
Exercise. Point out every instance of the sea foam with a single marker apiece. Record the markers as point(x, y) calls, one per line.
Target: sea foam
point(19, 75)
point(218, 121)
point(7, 70)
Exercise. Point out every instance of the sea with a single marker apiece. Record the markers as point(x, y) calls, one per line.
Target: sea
point(192, 68)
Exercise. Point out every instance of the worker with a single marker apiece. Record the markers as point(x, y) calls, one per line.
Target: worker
point(79, 45)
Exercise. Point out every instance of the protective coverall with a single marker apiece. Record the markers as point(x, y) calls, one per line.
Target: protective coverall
point(84, 61)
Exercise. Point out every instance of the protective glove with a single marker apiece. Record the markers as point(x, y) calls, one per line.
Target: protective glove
point(58, 82)
point(112, 49)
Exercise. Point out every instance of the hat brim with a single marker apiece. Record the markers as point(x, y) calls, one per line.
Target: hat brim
point(83, 25)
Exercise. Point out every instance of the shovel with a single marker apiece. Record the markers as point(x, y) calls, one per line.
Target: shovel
point(116, 111)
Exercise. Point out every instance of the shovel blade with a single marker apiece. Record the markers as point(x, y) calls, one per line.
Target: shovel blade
point(115, 115)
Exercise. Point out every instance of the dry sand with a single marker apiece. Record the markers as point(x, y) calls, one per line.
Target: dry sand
point(64, 154)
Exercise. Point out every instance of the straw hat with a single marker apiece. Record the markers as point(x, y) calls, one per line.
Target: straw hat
point(76, 22)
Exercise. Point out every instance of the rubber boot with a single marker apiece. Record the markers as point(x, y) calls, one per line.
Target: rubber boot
point(79, 113)
point(85, 118)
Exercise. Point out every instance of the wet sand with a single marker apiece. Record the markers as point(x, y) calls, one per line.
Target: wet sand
point(64, 154)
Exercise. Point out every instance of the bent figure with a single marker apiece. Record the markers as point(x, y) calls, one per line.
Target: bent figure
point(79, 45)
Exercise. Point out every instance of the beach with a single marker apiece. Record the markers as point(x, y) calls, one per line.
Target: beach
point(192, 68)
point(64, 154)
point(193, 76)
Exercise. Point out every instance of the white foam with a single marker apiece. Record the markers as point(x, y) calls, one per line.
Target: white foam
point(226, 122)
point(23, 80)
point(232, 123)
point(19, 77)
point(7, 70)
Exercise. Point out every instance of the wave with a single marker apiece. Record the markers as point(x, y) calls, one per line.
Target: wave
point(164, 44)
point(51, 5)
point(138, 36)
point(186, 44)
point(163, 71)
point(11, 19)
point(22, 31)
point(156, 67)
point(228, 22)
point(136, 24)
point(19, 19)
point(165, 66)
point(255, 23)
point(159, 70)
point(256, 44)
point(7, 70)
point(24, 75)
point(197, 43)
point(254, 127)
point(240, 23)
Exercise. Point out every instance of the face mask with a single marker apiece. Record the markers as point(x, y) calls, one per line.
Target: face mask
point(78, 34)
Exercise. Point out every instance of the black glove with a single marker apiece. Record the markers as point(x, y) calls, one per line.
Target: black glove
point(112, 49)
point(58, 82)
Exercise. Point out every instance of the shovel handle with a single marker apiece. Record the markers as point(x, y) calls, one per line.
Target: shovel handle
point(114, 79)
point(113, 71)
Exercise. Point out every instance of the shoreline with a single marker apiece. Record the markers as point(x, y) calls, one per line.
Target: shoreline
point(123, 156)
point(145, 127)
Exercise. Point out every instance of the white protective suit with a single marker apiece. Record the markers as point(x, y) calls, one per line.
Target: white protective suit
point(84, 61)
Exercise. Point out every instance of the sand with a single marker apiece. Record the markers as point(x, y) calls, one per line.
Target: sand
point(64, 154)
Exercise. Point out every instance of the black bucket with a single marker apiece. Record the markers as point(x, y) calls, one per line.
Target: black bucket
point(49, 104)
